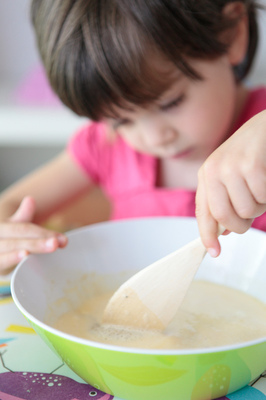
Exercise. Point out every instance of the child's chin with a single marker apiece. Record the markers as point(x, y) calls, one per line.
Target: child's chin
point(183, 154)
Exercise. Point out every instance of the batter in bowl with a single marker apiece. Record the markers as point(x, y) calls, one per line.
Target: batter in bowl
point(211, 315)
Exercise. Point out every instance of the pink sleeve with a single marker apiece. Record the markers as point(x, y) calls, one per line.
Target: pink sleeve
point(86, 146)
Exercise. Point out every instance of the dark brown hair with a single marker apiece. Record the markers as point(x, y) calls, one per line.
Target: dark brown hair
point(98, 54)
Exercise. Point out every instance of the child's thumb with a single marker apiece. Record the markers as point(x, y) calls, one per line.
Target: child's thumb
point(25, 212)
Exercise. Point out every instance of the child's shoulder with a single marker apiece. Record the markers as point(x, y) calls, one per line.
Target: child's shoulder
point(91, 136)
point(96, 137)
point(87, 142)
point(93, 143)
point(91, 131)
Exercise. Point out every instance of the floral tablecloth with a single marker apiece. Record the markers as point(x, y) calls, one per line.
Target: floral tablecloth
point(29, 370)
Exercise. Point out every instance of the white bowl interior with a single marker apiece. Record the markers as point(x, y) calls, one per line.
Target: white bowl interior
point(118, 249)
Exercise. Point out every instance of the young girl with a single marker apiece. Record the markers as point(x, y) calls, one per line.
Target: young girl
point(162, 81)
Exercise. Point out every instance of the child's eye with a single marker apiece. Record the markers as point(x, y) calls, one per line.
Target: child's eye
point(173, 103)
point(119, 122)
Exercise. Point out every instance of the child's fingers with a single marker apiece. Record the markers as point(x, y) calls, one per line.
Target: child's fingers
point(220, 205)
point(10, 259)
point(208, 226)
point(213, 206)
point(256, 183)
point(12, 251)
point(30, 245)
point(19, 237)
point(242, 199)
point(28, 230)
point(209, 235)
point(25, 212)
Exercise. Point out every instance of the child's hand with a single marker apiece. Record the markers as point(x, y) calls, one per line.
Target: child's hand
point(19, 237)
point(232, 183)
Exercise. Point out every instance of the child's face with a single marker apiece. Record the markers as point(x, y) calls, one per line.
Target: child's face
point(190, 120)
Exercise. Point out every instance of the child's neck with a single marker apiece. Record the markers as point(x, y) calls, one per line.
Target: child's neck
point(172, 173)
point(242, 96)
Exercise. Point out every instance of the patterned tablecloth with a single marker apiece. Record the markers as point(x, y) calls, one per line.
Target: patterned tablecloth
point(29, 370)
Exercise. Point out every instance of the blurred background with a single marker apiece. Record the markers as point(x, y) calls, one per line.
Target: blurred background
point(34, 126)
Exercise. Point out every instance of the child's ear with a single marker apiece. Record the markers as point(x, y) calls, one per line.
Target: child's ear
point(237, 37)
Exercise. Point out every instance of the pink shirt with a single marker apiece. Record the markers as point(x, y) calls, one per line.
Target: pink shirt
point(128, 178)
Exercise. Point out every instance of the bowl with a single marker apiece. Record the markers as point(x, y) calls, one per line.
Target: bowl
point(116, 250)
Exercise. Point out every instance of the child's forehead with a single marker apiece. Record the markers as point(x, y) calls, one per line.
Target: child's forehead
point(168, 69)
point(130, 109)
point(161, 77)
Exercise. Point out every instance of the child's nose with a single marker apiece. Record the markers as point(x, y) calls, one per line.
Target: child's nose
point(161, 136)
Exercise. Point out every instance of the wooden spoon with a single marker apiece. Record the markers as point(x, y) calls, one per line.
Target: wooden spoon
point(151, 298)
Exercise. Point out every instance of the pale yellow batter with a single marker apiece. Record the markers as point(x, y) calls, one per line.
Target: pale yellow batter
point(211, 315)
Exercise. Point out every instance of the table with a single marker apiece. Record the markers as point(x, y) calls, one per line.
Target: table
point(29, 370)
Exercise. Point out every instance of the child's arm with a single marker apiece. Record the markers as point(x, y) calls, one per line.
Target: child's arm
point(31, 201)
point(232, 183)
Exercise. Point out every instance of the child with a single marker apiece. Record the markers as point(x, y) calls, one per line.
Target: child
point(162, 81)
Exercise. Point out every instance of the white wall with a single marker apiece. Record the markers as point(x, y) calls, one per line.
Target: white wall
point(17, 46)
point(18, 55)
